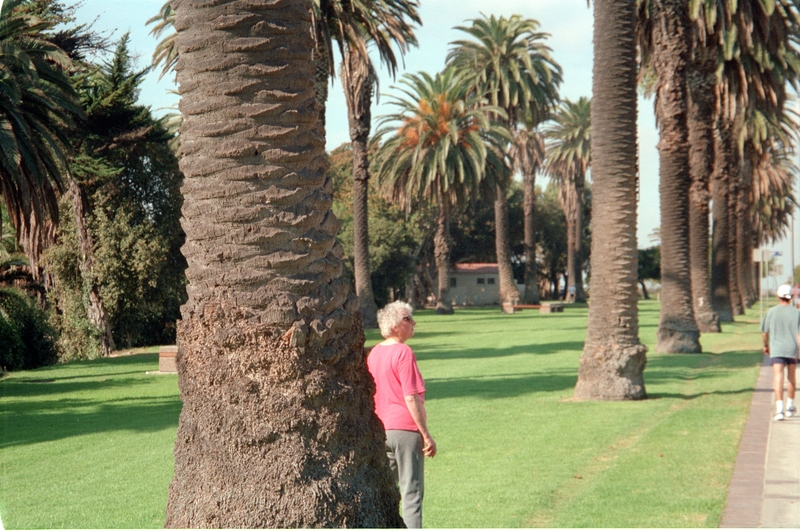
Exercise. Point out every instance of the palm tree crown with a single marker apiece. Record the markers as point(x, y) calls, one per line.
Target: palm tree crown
point(354, 23)
point(569, 141)
point(443, 140)
point(509, 64)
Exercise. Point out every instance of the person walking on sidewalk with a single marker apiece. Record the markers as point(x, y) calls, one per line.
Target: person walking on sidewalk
point(781, 334)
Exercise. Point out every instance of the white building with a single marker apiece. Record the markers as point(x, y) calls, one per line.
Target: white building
point(476, 285)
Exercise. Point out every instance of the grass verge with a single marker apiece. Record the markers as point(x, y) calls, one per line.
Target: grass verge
point(89, 444)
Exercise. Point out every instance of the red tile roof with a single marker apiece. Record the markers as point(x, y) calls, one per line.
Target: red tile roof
point(476, 268)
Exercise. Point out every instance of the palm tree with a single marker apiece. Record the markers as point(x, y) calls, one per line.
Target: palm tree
point(767, 199)
point(37, 107)
point(444, 151)
point(613, 359)
point(665, 43)
point(725, 165)
point(508, 63)
point(772, 199)
point(277, 427)
point(567, 162)
point(527, 152)
point(701, 117)
point(384, 23)
point(759, 56)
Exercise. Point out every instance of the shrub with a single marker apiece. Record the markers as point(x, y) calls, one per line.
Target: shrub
point(11, 351)
point(25, 328)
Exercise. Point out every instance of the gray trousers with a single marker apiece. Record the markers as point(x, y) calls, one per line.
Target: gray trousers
point(404, 449)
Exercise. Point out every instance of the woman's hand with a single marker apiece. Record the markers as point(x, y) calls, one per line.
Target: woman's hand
point(428, 446)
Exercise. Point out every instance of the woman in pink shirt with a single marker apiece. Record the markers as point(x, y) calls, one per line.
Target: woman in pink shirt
point(399, 403)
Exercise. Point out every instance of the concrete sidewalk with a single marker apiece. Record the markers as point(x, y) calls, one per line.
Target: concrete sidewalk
point(765, 487)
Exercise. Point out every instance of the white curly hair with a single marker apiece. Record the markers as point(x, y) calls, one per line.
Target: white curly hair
point(391, 315)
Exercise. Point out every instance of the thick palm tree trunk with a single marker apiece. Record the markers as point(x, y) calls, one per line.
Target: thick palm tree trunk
point(701, 81)
point(358, 84)
point(508, 286)
point(277, 427)
point(677, 330)
point(720, 294)
point(96, 311)
point(613, 359)
point(531, 267)
point(441, 251)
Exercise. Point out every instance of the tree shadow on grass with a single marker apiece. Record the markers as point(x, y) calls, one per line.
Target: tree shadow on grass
point(100, 363)
point(536, 326)
point(33, 387)
point(52, 420)
point(85, 397)
point(451, 352)
point(501, 386)
point(77, 376)
point(726, 360)
point(672, 368)
point(684, 396)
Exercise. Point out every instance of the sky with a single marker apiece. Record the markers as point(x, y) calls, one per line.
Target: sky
point(568, 22)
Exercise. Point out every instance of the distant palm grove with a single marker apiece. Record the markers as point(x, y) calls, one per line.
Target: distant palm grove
point(226, 228)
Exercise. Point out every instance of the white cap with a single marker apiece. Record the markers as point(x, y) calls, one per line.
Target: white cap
point(785, 291)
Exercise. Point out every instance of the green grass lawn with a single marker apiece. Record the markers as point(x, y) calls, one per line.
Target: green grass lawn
point(89, 444)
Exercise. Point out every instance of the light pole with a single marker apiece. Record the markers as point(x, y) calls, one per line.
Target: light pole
point(792, 232)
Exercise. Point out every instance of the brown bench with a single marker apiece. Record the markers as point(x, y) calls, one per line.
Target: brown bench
point(546, 307)
point(511, 308)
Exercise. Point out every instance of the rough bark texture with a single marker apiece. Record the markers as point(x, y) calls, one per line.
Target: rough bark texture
point(677, 330)
point(613, 359)
point(95, 308)
point(358, 83)
point(720, 294)
point(531, 295)
point(701, 81)
point(321, 80)
point(508, 286)
point(277, 427)
point(441, 251)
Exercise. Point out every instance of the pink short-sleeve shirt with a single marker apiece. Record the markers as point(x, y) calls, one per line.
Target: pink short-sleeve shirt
point(394, 369)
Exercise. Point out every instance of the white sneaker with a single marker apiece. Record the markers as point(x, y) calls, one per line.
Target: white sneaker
point(791, 411)
point(779, 416)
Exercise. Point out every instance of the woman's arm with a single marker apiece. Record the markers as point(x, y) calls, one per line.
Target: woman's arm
point(417, 410)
